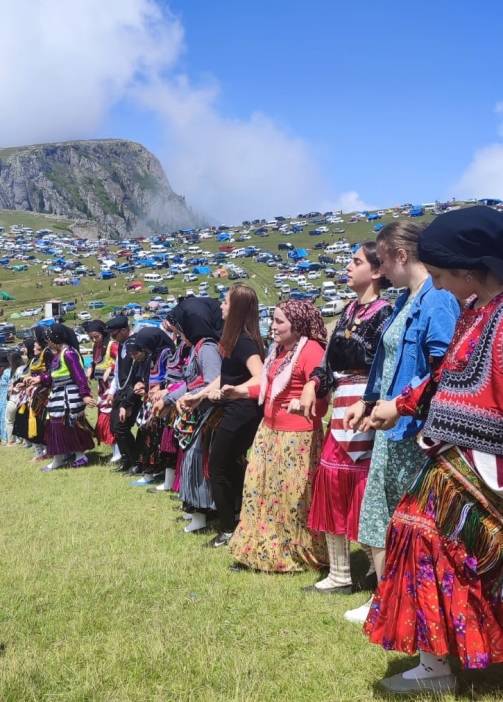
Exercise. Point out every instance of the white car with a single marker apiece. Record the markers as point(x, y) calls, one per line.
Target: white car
point(84, 315)
point(313, 275)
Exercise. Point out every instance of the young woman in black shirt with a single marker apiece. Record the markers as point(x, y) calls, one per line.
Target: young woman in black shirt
point(242, 353)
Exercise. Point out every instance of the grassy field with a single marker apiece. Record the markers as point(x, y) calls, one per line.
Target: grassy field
point(34, 286)
point(33, 220)
point(104, 598)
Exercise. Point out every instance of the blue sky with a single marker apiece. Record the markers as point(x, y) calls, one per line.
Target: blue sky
point(321, 103)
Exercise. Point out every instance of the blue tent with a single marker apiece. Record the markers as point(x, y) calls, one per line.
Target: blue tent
point(297, 254)
point(378, 227)
point(304, 266)
point(416, 211)
point(201, 270)
point(223, 236)
point(372, 216)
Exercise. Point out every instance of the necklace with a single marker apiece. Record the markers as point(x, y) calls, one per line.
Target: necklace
point(356, 315)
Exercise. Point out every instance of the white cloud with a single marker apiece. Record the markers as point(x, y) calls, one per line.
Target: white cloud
point(66, 64)
point(483, 177)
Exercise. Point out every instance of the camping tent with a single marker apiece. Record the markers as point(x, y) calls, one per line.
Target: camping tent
point(4, 295)
point(297, 254)
point(201, 270)
point(223, 236)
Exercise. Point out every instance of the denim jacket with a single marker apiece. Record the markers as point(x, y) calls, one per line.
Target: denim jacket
point(428, 330)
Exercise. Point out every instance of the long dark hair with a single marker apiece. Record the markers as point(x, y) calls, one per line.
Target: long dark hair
point(241, 319)
point(370, 251)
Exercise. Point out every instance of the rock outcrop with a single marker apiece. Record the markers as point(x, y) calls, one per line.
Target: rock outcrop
point(116, 185)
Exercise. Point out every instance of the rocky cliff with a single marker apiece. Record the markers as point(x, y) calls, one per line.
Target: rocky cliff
point(117, 187)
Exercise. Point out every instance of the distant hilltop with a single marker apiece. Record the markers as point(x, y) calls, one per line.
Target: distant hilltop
point(109, 187)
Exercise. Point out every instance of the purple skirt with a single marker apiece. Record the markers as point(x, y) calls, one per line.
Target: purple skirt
point(60, 438)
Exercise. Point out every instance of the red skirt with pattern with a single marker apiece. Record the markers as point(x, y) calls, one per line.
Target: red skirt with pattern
point(338, 489)
point(431, 597)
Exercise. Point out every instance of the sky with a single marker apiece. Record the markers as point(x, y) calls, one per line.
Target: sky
point(267, 107)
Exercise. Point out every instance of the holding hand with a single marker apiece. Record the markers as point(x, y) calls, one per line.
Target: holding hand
point(384, 415)
point(354, 415)
point(89, 401)
point(308, 400)
point(233, 392)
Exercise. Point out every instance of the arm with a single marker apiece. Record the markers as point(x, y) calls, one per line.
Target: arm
point(77, 372)
point(251, 387)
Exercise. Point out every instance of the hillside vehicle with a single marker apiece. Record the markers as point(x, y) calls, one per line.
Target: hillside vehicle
point(333, 307)
point(96, 304)
point(84, 315)
point(152, 277)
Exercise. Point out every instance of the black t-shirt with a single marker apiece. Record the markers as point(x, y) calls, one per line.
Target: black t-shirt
point(235, 372)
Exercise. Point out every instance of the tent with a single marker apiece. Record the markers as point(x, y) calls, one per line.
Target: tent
point(378, 227)
point(297, 254)
point(416, 211)
point(223, 236)
point(201, 270)
point(5, 295)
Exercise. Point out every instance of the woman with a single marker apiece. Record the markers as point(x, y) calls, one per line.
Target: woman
point(150, 349)
point(4, 391)
point(242, 355)
point(67, 430)
point(16, 366)
point(199, 322)
point(101, 370)
point(272, 533)
point(341, 476)
point(31, 412)
point(415, 337)
point(442, 589)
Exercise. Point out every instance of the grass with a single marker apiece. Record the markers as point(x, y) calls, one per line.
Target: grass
point(102, 597)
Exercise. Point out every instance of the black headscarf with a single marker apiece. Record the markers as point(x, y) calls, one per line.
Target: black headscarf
point(29, 344)
point(96, 325)
point(470, 238)
point(41, 335)
point(198, 318)
point(61, 334)
point(152, 340)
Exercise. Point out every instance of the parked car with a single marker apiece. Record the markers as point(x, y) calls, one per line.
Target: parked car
point(96, 304)
point(160, 289)
point(84, 315)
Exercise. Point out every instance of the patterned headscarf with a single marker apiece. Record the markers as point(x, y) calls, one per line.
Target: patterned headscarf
point(307, 322)
point(306, 319)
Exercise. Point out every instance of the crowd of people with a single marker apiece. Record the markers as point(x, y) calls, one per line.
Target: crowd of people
point(410, 466)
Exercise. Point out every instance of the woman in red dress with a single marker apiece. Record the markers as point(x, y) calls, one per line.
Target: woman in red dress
point(442, 588)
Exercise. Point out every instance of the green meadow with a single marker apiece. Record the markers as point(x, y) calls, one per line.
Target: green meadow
point(104, 598)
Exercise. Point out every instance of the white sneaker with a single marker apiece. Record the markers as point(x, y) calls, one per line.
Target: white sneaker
point(198, 522)
point(115, 459)
point(358, 615)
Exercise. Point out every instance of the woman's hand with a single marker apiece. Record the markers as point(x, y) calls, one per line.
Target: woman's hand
point(89, 401)
point(233, 392)
point(293, 407)
point(214, 395)
point(354, 415)
point(384, 415)
point(188, 402)
point(308, 400)
point(158, 407)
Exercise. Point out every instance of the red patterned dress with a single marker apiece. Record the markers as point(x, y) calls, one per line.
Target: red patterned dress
point(442, 588)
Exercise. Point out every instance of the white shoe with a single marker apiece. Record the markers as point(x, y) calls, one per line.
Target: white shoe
point(187, 516)
point(358, 615)
point(115, 459)
point(198, 522)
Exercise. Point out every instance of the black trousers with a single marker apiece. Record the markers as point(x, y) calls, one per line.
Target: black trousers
point(123, 434)
point(227, 462)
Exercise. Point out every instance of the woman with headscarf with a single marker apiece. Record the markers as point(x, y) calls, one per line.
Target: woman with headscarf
point(150, 348)
point(199, 321)
point(13, 380)
point(31, 413)
point(67, 430)
point(272, 533)
point(102, 370)
point(442, 587)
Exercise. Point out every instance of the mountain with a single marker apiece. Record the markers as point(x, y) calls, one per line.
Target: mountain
point(111, 187)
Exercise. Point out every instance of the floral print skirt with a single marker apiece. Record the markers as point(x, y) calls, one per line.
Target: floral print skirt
point(431, 597)
point(272, 534)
